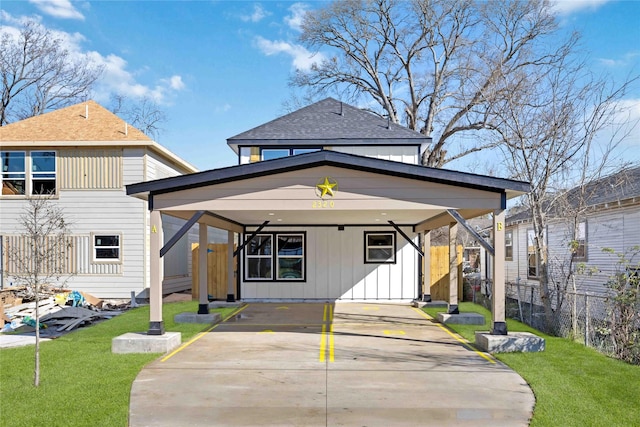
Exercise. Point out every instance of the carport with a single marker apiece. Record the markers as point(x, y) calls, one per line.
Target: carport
point(331, 193)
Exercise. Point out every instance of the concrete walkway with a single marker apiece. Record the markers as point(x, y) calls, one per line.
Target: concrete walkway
point(347, 364)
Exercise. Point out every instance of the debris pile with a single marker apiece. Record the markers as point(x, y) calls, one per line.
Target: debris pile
point(59, 312)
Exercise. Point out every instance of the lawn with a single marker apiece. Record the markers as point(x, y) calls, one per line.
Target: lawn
point(81, 382)
point(574, 385)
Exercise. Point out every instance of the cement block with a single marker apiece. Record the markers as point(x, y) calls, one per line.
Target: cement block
point(197, 318)
point(438, 304)
point(513, 342)
point(140, 342)
point(461, 319)
point(224, 304)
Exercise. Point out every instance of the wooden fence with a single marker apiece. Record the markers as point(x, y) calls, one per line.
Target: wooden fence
point(440, 273)
point(216, 274)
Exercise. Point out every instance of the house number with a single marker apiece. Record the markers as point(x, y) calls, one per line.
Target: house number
point(500, 226)
point(321, 204)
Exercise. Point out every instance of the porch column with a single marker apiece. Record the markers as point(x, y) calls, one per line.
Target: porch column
point(426, 297)
point(156, 324)
point(499, 326)
point(203, 268)
point(230, 277)
point(453, 269)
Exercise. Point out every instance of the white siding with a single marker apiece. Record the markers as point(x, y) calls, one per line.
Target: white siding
point(404, 154)
point(335, 269)
point(157, 168)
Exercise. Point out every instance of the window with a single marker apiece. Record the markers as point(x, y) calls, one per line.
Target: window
point(380, 247)
point(276, 153)
point(580, 248)
point(508, 245)
point(43, 172)
point(532, 255)
point(106, 247)
point(17, 179)
point(288, 260)
point(13, 173)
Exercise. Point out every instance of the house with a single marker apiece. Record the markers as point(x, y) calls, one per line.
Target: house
point(84, 156)
point(328, 203)
point(610, 218)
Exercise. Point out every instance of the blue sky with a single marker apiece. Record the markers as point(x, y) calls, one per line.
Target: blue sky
point(219, 68)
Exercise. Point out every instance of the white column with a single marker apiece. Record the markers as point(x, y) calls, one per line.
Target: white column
point(230, 277)
point(203, 268)
point(499, 326)
point(453, 269)
point(156, 324)
point(427, 266)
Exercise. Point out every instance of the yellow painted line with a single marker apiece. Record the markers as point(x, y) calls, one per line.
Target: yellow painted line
point(284, 307)
point(331, 342)
point(371, 308)
point(324, 314)
point(266, 331)
point(201, 334)
point(323, 343)
point(457, 337)
point(394, 332)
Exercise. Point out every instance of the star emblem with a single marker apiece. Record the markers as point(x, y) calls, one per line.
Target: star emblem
point(326, 186)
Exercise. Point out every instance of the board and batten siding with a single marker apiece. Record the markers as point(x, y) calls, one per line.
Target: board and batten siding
point(335, 269)
point(90, 169)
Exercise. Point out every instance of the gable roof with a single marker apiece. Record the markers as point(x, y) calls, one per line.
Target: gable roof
point(612, 189)
point(329, 158)
point(87, 121)
point(328, 122)
point(87, 124)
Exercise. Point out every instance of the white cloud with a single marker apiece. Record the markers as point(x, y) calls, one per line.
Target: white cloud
point(302, 59)
point(298, 10)
point(58, 8)
point(117, 78)
point(223, 108)
point(621, 62)
point(258, 14)
point(566, 7)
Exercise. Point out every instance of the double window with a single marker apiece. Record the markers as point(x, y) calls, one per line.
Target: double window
point(276, 153)
point(379, 247)
point(276, 256)
point(25, 173)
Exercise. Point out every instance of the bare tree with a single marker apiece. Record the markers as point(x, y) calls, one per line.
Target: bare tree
point(42, 258)
point(548, 126)
point(39, 74)
point(145, 115)
point(436, 65)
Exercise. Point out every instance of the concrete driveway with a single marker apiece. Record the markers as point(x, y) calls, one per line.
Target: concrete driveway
point(344, 364)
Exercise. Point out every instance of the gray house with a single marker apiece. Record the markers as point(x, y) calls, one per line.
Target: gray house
point(328, 203)
point(610, 218)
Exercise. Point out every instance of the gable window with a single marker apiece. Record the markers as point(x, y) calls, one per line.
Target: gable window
point(276, 153)
point(508, 245)
point(580, 239)
point(106, 247)
point(19, 180)
point(285, 263)
point(13, 173)
point(380, 247)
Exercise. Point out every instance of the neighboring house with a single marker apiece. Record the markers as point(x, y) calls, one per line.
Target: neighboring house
point(610, 219)
point(327, 203)
point(84, 156)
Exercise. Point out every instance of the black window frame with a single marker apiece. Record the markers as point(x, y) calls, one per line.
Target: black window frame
point(274, 257)
point(393, 247)
point(94, 248)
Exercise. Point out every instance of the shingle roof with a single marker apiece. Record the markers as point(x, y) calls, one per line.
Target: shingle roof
point(331, 122)
point(622, 185)
point(73, 124)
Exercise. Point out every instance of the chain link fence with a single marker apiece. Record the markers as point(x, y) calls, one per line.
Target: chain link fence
point(581, 317)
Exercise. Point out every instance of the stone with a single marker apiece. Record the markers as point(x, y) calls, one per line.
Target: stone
point(140, 342)
point(461, 318)
point(512, 342)
point(197, 318)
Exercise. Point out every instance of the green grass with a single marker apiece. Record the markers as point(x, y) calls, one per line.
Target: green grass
point(574, 385)
point(81, 382)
